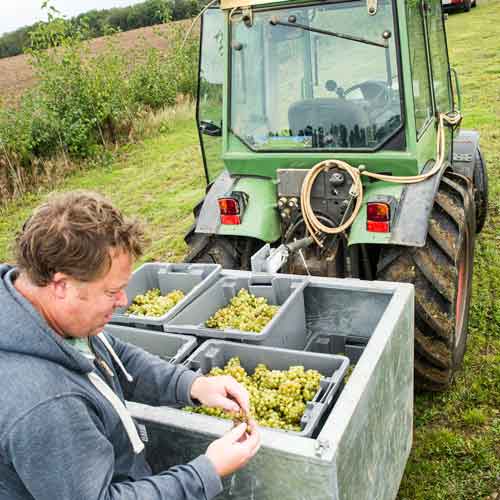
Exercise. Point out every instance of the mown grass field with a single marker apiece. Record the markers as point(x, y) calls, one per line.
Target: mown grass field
point(456, 452)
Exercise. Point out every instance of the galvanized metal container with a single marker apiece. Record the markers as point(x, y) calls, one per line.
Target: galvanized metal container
point(363, 444)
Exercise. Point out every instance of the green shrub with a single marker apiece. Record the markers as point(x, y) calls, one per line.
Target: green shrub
point(161, 76)
point(152, 82)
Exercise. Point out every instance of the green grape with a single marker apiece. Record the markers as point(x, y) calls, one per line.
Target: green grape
point(296, 372)
point(291, 388)
point(234, 361)
point(260, 373)
point(278, 398)
point(309, 391)
point(294, 412)
point(152, 303)
point(237, 372)
point(273, 379)
point(215, 371)
point(245, 312)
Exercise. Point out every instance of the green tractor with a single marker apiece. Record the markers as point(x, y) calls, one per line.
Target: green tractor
point(330, 132)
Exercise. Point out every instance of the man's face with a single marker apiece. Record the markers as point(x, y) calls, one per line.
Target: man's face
point(85, 308)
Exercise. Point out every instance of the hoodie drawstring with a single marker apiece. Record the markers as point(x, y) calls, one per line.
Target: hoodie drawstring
point(121, 409)
point(115, 401)
point(113, 354)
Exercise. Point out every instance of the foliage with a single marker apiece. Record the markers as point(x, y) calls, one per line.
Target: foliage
point(100, 22)
point(83, 102)
point(151, 82)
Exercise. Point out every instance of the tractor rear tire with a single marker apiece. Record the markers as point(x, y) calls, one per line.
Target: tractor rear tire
point(442, 274)
point(480, 179)
point(213, 250)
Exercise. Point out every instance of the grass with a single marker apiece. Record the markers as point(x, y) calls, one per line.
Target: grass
point(158, 180)
point(456, 452)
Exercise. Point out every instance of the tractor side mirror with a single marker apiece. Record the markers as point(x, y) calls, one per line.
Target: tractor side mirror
point(210, 128)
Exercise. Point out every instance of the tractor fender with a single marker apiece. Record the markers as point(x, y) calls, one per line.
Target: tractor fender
point(260, 219)
point(410, 219)
point(465, 145)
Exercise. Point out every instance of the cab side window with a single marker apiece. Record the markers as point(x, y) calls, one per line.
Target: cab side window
point(210, 91)
point(439, 56)
point(419, 66)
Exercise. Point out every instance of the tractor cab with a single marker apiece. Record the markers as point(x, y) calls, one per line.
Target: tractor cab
point(291, 78)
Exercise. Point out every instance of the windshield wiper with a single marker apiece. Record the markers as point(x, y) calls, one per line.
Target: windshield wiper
point(293, 24)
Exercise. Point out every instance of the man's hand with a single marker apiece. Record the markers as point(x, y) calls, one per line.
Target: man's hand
point(221, 392)
point(233, 450)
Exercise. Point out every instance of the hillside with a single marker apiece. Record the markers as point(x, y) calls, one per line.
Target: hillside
point(16, 74)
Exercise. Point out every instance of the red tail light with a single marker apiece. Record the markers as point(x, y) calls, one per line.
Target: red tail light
point(377, 227)
point(230, 220)
point(231, 207)
point(378, 216)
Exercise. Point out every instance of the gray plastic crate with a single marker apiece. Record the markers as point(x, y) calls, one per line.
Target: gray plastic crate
point(286, 329)
point(216, 353)
point(171, 347)
point(192, 279)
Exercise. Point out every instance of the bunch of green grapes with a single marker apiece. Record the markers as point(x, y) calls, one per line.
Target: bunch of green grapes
point(245, 312)
point(278, 398)
point(153, 303)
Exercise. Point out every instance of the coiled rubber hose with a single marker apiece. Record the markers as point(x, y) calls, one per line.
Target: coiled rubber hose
point(316, 227)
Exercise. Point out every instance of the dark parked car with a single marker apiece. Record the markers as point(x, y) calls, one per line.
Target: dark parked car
point(462, 5)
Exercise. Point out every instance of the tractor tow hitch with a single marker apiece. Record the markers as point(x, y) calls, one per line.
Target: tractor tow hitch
point(270, 260)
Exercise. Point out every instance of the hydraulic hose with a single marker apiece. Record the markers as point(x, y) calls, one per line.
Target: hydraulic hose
point(314, 225)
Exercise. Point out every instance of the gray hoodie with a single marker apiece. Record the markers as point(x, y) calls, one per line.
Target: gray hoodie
point(60, 437)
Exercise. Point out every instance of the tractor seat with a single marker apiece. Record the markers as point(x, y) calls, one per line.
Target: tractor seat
point(338, 117)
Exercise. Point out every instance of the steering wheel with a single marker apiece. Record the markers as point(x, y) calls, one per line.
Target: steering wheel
point(372, 90)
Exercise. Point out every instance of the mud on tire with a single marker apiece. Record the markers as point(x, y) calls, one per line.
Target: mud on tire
point(442, 274)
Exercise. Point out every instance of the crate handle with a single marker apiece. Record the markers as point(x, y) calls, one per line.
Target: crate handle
point(180, 354)
point(330, 391)
point(261, 280)
point(334, 385)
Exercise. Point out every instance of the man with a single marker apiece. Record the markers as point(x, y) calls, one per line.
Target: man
point(65, 433)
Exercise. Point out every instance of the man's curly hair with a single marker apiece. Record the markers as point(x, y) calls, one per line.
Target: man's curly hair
point(74, 233)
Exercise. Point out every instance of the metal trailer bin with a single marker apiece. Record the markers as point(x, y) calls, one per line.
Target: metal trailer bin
point(192, 279)
point(216, 353)
point(286, 329)
point(171, 347)
point(363, 443)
